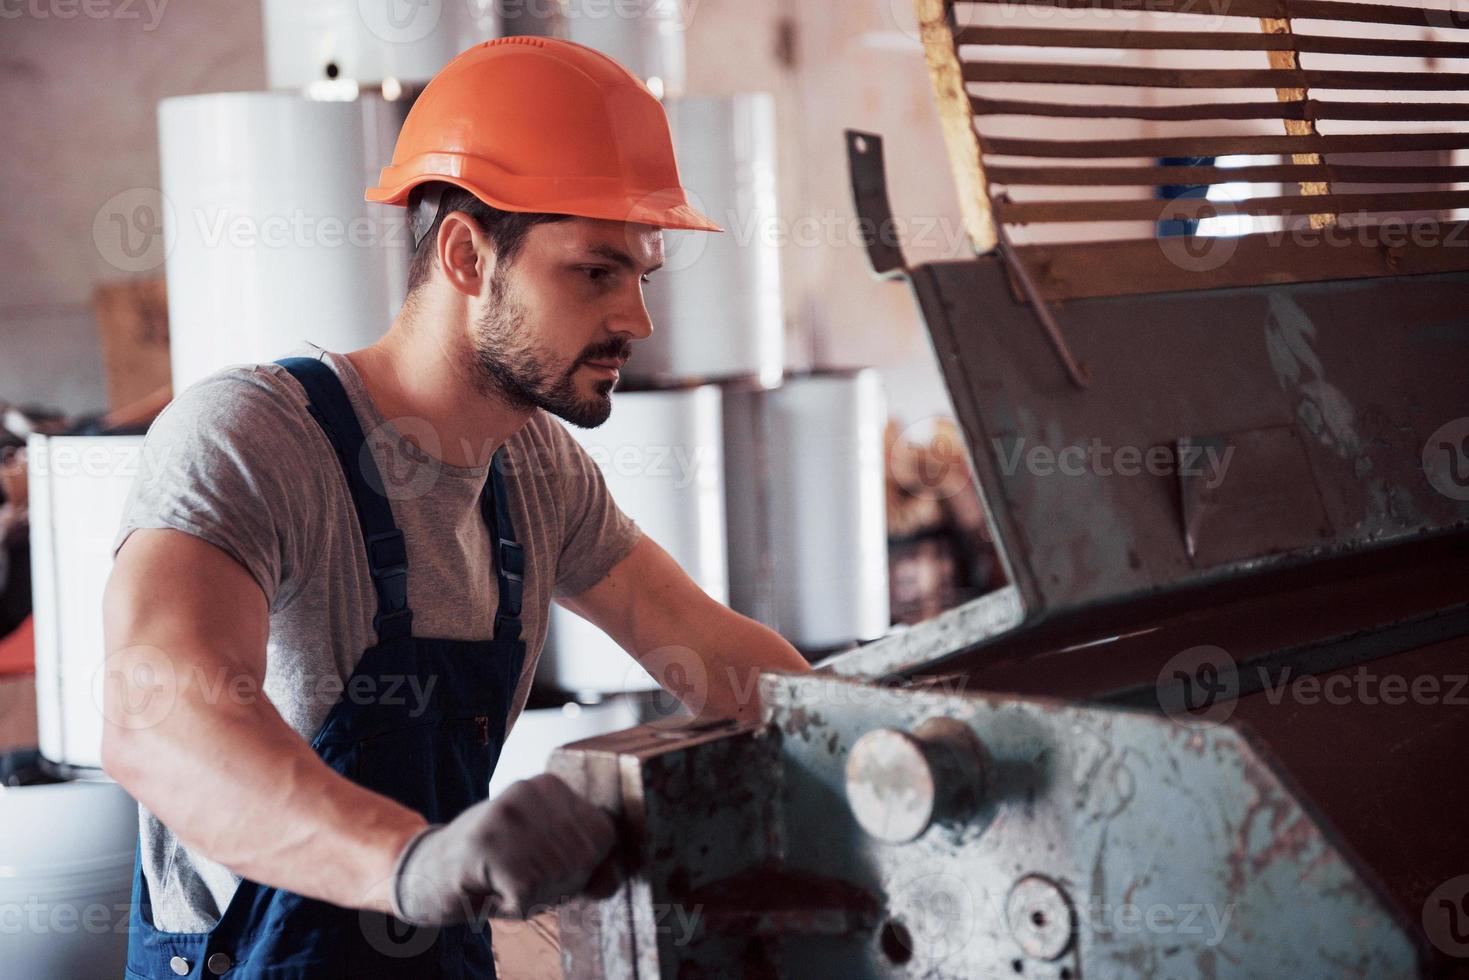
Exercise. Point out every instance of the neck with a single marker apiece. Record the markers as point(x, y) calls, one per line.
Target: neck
point(423, 373)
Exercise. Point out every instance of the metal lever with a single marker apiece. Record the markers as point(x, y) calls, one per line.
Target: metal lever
point(874, 213)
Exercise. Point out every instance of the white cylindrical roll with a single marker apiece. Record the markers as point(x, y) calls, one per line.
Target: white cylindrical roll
point(807, 522)
point(716, 304)
point(268, 238)
point(646, 36)
point(78, 489)
point(67, 854)
point(367, 41)
point(540, 731)
point(661, 453)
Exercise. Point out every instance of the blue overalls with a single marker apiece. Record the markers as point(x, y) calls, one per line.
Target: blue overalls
point(437, 761)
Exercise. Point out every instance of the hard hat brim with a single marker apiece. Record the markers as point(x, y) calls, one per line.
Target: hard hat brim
point(584, 197)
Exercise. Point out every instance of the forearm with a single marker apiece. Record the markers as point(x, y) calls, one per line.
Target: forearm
point(732, 650)
point(238, 785)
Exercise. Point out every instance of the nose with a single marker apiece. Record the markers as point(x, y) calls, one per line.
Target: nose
point(634, 320)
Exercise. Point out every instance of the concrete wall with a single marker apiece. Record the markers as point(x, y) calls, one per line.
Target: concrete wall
point(79, 86)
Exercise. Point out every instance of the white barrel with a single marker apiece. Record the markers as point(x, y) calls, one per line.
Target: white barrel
point(807, 521)
point(268, 239)
point(540, 731)
point(67, 854)
point(716, 304)
point(367, 41)
point(661, 453)
point(78, 489)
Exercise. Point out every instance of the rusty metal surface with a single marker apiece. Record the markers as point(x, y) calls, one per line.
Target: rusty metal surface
point(1082, 487)
point(1170, 850)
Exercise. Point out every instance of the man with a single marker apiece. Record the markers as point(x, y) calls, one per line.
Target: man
point(331, 586)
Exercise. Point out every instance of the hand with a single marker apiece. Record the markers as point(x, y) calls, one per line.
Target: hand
point(536, 844)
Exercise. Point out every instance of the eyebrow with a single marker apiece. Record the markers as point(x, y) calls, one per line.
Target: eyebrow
point(620, 257)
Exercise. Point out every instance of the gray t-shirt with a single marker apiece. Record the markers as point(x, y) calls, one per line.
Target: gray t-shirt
point(237, 461)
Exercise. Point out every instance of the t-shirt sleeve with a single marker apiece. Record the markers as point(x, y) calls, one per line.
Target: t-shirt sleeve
point(231, 461)
point(595, 533)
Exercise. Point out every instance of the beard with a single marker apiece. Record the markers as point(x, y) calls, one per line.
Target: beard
point(510, 368)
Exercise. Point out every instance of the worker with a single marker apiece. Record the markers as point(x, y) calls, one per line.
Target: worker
point(334, 574)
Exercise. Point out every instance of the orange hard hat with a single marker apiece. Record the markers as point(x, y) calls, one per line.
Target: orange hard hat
point(542, 124)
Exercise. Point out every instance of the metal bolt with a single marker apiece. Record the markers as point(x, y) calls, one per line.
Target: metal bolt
point(219, 963)
point(898, 784)
point(1040, 917)
point(179, 966)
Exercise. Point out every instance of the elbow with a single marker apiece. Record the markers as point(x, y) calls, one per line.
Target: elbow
point(122, 759)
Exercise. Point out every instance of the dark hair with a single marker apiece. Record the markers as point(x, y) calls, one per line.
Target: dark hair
point(507, 229)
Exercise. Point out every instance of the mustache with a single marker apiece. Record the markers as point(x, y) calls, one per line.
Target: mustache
point(618, 350)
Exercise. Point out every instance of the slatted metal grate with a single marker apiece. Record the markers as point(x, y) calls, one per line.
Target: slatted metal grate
point(1060, 114)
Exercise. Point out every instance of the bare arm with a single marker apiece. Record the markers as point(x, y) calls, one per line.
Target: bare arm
point(191, 735)
point(659, 615)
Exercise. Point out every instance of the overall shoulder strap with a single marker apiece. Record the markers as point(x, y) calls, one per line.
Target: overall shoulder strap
point(509, 555)
point(387, 552)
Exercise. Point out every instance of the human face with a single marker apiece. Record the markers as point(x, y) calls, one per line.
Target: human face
point(562, 316)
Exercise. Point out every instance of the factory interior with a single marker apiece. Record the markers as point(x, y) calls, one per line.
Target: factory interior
point(632, 489)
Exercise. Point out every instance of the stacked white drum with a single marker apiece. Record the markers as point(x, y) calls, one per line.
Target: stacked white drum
point(269, 241)
point(797, 462)
point(66, 854)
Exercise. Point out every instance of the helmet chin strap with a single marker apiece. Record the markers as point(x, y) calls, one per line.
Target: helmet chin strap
point(426, 212)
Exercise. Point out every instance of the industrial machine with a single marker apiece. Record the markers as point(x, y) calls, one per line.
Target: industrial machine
point(1211, 725)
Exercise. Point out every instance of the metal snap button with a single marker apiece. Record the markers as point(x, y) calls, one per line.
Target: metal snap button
point(179, 965)
point(218, 963)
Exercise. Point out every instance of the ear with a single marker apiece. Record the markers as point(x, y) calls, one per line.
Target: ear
point(465, 253)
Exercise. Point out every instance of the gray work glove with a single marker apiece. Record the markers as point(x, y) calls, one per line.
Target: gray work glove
point(534, 845)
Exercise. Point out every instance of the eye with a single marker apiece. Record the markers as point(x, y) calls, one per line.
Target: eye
point(595, 273)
